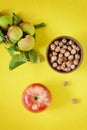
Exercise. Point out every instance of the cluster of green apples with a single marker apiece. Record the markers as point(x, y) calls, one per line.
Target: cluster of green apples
point(20, 36)
point(15, 33)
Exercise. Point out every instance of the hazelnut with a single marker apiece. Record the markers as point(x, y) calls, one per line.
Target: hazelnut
point(51, 61)
point(54, 53)
point(57, 49)
point(77, 48)
point(62, 50)
point(69, 48)
point(74, 101)
point(52, 47)
point(71, 42)
point(60, 60)
point(64, 40)
point(54, 65)
point(53, 58)
point(63, 66)
point(73, 51)
point(72, 66)
point(74, 46)
point(58, 67)
point(60, 55)
point(68, 64)
point(67, 69)
point(67, 53)
point(76, 62)
point(56, 42)
point(65, 47)
point(65, 83)
point(71, 57)
point(61, 44)
point(77, 56)
point(64, 58)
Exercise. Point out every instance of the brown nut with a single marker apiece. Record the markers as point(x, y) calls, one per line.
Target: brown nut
point(74, 100)
point(54, 65)
point(60, 55)
point(64, 40)
point(68, 64)
point(60, 60)
point(69, 48)
point(73, 51)
point(56, 42)
point(57, 49)
point(52, 46)
point(58, 67)
point(65, 83)
point(54, 53)
point(72, 66)
point(53, 58)
point(71, 57)
point(76, 62)
point(71, 42)
point(77, 48)
point(77, 56)
point(65, 59)
point(74, 46)
point(65, 47)
point(67, 53)
point(63, 66)
point(61, 44)
point(62, 50)
point(67, 69)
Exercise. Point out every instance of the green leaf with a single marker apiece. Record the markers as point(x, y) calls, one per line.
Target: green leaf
point(39, 25)
point(11, 50)
point(16, 20)
point(1, 39)
point(6, 40)
point(1, 36)
point(34, 35)
point(1, 33)
point(17, 60)
point(34, 56)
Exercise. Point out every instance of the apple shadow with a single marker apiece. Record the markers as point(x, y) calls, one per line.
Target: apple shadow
point(60, 93)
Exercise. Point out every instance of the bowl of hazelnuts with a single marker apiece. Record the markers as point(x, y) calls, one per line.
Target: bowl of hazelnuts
point(64, 54)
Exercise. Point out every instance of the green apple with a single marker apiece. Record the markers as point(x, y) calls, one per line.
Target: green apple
point(27, 43)
point(5, 21)
point(27, 28)
point(14, 33)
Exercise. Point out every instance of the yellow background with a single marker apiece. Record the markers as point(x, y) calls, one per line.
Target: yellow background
point(62, 17)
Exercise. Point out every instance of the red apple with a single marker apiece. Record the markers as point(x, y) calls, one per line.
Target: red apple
point(36, 97)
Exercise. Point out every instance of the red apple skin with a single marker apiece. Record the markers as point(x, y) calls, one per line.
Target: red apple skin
point(39, 91)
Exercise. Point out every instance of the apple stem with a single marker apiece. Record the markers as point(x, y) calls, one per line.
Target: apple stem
point(27, 57)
